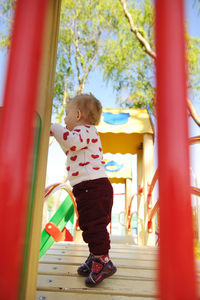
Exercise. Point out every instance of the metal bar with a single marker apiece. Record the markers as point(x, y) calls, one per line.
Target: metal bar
point(16, 139)
point(177, 269)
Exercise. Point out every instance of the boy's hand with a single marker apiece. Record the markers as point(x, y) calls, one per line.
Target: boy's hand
point(51, 133)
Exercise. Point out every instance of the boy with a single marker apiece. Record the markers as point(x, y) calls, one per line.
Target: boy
point(91, 187)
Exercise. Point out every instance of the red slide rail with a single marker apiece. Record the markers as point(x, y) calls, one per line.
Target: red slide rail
point(58, 186)
point(16, 139)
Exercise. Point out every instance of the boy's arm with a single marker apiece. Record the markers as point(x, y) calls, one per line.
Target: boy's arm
point(69, 140)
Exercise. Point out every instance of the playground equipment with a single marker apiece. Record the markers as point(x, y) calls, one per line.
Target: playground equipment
point(55, 229)
point(29, 88)
point(152, 211)
point(131, 131)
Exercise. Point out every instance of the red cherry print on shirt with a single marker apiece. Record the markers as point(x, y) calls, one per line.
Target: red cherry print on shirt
point(94, 140)
point(77, 130)
point(73, 158)
point(94, 156)
point(87, 131)
point(100, 149)
point(65, 135)
point(84, 148)
point(80, 137)
point(84, 164)
point(87, 126)
point(103, 162)
point(73, 148)
point(67, 152)
point(75, 173)
point(68, 168)
point(88, 140)
point(96, 168)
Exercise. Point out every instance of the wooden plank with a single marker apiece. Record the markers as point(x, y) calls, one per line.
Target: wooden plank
point(71, 270)
point(114, 247)
point(75, 296)
point(123, 247)
point(112, 250)
point(109, 286)
point(120, 262)
point(78, 253)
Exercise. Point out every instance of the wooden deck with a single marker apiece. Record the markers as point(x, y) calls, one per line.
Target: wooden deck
point(135, 277)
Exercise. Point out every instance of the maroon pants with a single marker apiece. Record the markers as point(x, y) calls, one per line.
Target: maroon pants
point(94, 200)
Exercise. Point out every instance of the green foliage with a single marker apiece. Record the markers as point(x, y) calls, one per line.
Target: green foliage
point(6, 19)
point(196, 3)
point(126, 63)
point(50, 202)
point(96, 34)
point(85, 27)
point(193, 57)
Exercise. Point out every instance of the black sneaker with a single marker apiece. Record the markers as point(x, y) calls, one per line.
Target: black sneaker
point(85, 269)
point(100, 271)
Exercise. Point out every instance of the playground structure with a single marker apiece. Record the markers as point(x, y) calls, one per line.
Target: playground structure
point(130, 131)
point(30, 81)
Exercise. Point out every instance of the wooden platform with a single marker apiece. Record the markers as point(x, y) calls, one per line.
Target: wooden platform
point(135, 277)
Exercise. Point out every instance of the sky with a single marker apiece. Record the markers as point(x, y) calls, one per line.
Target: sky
point(104, 92)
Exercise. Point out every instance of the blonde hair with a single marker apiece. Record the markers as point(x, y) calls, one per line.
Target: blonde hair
point(90, 108)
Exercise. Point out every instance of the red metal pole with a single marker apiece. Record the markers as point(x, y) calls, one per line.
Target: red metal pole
point(177, 269)
point(16, 139)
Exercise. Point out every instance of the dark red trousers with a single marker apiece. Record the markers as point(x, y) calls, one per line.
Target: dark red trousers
point(94, 200)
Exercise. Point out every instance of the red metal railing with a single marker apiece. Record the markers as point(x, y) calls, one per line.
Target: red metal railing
point(152, 211)
point(177, 274)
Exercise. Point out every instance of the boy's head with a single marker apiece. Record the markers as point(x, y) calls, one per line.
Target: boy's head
point(83, 109)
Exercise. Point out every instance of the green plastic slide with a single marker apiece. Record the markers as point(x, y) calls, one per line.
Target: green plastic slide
point(62, 216)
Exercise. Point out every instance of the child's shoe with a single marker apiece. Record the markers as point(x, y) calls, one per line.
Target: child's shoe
point(85, 269)
point(100, 270)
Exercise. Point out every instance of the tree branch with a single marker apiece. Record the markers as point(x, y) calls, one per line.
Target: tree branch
point(84, 77)
point(134, 29)
point(193, 112)
point(6, 19)
point(78, 53)
point(150, 52)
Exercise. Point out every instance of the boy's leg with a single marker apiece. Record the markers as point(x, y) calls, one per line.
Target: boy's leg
point(94, 203)
point(85, 269)
point(102, 267)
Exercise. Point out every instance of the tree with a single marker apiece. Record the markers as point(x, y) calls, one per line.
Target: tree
point(193, 55)
point(97, 34)
point(79, 39)
point(130, 69)
point(85, 28)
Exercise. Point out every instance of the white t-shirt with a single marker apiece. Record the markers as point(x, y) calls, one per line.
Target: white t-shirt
point(84, 153)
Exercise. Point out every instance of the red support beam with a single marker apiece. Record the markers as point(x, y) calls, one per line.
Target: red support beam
point(177, 268)
point(16, 139)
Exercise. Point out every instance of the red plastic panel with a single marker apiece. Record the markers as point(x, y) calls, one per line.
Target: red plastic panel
point(177, 270)
point(16, 138)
